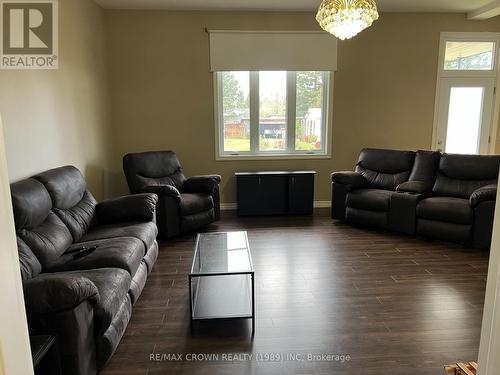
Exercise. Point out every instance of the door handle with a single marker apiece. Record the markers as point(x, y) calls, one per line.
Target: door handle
point(440, 143)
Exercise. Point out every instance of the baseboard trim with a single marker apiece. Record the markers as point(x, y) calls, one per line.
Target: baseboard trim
point(228, 206)
point(322, 204)
point(233, 206)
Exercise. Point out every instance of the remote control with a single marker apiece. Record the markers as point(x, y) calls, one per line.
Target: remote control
point(84, 251)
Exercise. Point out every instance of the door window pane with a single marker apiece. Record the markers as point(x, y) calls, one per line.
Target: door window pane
point(236, 110)
point(464, 120)
point(469, 56)
point(272, 111)
point(309, 111)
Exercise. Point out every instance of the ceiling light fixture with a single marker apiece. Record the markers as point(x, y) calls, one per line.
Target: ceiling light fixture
point(346, 18)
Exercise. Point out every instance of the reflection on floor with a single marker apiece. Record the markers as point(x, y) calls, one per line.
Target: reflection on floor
point(382, 302)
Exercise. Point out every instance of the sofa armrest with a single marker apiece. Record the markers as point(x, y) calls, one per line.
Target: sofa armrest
point(201, 184)
point(163, 190)
point(137, 207)
point(351, 180)
point(417, 187)
point(53, 293)
point(483, 194)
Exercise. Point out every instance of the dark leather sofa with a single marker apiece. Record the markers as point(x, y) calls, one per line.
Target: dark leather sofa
point(444, 196)
point(86, 301)
point(185, 204)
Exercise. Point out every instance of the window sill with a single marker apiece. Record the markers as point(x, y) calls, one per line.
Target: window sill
point(273, 157)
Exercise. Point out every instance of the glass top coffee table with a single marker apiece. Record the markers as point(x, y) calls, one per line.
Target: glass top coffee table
point(221, 281)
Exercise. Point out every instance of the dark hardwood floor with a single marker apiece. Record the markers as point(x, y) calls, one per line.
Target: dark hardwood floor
point(394, 304)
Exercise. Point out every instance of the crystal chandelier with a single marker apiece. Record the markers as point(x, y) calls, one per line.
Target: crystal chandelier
point(346, 18)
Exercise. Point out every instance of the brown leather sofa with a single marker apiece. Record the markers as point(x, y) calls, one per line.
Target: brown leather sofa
point(185, 204)
point(443, 196)
point(85, 301)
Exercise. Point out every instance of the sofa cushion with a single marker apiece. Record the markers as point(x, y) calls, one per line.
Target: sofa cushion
point(144, 231)
point(72, 202)
point(369, 199)
point(152, 168)
point(31, 203)
point(460, 175)
point(470, 167)
point(79, 218)
point(195, 203)
point(449, 209)
point(451, 187)
point(385, 169)
point(425, 166)
point(386, 161)
point(48, 241)
point(191, 223)
point(113, 285)
point(30, 266)
point(66, 185)
point(379, 180)
point(124, 252)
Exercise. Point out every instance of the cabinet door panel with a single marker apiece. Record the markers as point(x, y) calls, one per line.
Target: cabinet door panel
point(248, 192)
point(273, 195)
point(301, 194)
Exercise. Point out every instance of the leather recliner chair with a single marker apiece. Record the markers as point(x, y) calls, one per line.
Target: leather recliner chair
point(363, 197)
point(185, 204)
point(462, 204)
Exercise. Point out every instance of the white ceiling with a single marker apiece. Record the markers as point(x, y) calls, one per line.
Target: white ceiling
point(457, 6)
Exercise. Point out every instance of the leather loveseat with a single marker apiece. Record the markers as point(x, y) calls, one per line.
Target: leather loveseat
point(185, 204)
point(85, 301)
point(444, 196)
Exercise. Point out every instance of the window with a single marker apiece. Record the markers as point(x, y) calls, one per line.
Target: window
point(272, 113)
point(469, 55)
point(235, 89)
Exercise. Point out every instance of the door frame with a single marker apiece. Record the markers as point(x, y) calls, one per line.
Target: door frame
point(443, 74)
point(489, 346)
point(446, 84)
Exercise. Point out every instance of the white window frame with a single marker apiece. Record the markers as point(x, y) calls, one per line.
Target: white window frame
point(467, 37)
point(290, 152)
point(447, 74)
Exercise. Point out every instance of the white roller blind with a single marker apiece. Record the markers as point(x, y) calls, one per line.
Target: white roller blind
point(272, 50)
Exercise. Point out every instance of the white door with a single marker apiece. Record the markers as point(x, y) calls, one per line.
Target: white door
point(465, 111)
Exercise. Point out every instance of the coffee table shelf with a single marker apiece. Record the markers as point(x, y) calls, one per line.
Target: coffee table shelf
point(221, 297)
point(221, 281)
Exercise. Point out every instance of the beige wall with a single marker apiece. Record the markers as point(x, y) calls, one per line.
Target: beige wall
point(15, 355)
point(57, 117)
point(162, 98)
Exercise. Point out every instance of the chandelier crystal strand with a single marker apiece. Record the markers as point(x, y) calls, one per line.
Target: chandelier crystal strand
point(346, 18)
